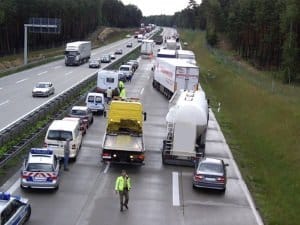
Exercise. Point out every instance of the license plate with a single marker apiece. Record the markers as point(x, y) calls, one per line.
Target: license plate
point(38, 179)
point(210, 179)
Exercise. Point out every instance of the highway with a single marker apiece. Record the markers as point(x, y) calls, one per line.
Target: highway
point(15, 90)
point(160, 194)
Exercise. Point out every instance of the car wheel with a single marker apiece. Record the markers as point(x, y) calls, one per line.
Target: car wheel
point(194, 187)
point(28, 214)
point(92, 121)
point(56, 188)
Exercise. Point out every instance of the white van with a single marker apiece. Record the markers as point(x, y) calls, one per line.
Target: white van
point(95, 102)
point(57, 134)
point(106, 79)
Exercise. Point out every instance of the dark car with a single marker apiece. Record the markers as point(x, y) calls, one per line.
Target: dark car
point(84, 113)
point(129, 45)
point(105, 59)
point(135, 64)
point(119, 51)
point(210, 173)
point(14, 209)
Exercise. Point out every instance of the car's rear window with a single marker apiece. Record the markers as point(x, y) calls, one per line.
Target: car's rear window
point(39, 167)
point(60, 135)
point(98, 99)
point(210, 167)
point(77, 112)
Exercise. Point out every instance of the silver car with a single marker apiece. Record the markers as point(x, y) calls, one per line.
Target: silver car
point(43, 89)
point(210, 173)
point(40, 170)
point(95, 63)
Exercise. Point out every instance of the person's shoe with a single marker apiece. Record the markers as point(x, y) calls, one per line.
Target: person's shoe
point(121, 209)
point(126, 206)
point(66, 169)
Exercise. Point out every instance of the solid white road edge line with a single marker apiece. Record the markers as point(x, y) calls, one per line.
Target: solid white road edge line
point(241, 180)
point(41, 73)
point(19, 81)
point(14, 187)
point(175, 184)
point(5, 102)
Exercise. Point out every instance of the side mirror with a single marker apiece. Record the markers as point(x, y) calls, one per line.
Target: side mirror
point(145, 116)
point(208, 101)
point(226, 164)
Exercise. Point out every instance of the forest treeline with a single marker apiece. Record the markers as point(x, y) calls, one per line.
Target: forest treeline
point(265, 32)
point(78, 19)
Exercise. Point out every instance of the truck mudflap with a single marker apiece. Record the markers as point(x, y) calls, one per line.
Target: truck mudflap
point(123, 157)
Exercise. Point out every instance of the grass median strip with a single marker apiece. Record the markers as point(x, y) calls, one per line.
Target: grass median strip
point(262, 127)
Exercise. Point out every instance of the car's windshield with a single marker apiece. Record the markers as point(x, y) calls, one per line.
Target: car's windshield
point(60, 135)
point(210, 167)
point(40, 85)
point(39, 167)
point(74, 53)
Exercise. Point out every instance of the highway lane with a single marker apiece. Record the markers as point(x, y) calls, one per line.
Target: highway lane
point(15, 90)
point(160, 194)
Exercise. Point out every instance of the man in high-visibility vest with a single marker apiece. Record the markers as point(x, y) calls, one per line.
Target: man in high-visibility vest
point(121, 85)
point(122, 93)
point(123, 187)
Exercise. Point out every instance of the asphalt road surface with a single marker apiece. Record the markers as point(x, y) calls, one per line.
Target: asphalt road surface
point(15, 90)
point(160, 194)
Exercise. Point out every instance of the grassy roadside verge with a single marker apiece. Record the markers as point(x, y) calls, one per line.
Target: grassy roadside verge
point(261, 126)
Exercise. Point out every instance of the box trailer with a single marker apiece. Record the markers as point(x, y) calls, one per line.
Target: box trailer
point(77, 53)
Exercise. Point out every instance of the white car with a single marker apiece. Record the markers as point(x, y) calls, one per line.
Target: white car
point(43, 89)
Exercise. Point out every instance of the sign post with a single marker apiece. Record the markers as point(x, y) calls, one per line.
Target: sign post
point(40, 25)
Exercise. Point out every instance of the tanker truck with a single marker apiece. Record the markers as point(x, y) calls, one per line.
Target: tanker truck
point(187, 122)
point(171, 74)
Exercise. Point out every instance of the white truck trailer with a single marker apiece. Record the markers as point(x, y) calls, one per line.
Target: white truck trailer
point(187, 122)
point(171, 44)
point(174, 74)
point(77, 53)
point(147, 48)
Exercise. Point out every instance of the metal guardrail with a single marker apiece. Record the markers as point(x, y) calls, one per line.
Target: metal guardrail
point(53, 107)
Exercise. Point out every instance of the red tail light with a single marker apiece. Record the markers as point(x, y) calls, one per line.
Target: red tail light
point(141, 157)
point(221, 179)
point(198, 177)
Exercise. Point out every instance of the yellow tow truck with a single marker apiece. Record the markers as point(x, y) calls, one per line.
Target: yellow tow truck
point(123, 139)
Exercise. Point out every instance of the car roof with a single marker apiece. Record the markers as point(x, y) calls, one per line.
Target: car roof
point(79, 108)
point(211, 160)
point(40, 158)
point(95, 94)
point(44, 82)
point(65, 125)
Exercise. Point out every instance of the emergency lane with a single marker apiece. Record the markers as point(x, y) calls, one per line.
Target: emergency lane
point(160, 194)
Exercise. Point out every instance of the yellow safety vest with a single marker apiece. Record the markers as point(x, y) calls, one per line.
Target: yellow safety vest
point(120, 183)
point(123, 93)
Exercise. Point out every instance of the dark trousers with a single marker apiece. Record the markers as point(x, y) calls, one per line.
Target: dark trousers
point(66, 161)
point(124, 195)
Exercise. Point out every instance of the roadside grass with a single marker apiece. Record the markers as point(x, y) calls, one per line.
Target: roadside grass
point(260, 118)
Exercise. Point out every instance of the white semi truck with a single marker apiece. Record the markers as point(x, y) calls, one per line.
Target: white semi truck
point(187, 122)
point(174, 74)
point(77, 53)
point(147, 48)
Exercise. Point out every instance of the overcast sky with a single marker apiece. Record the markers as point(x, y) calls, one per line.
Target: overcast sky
point(157, 7)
